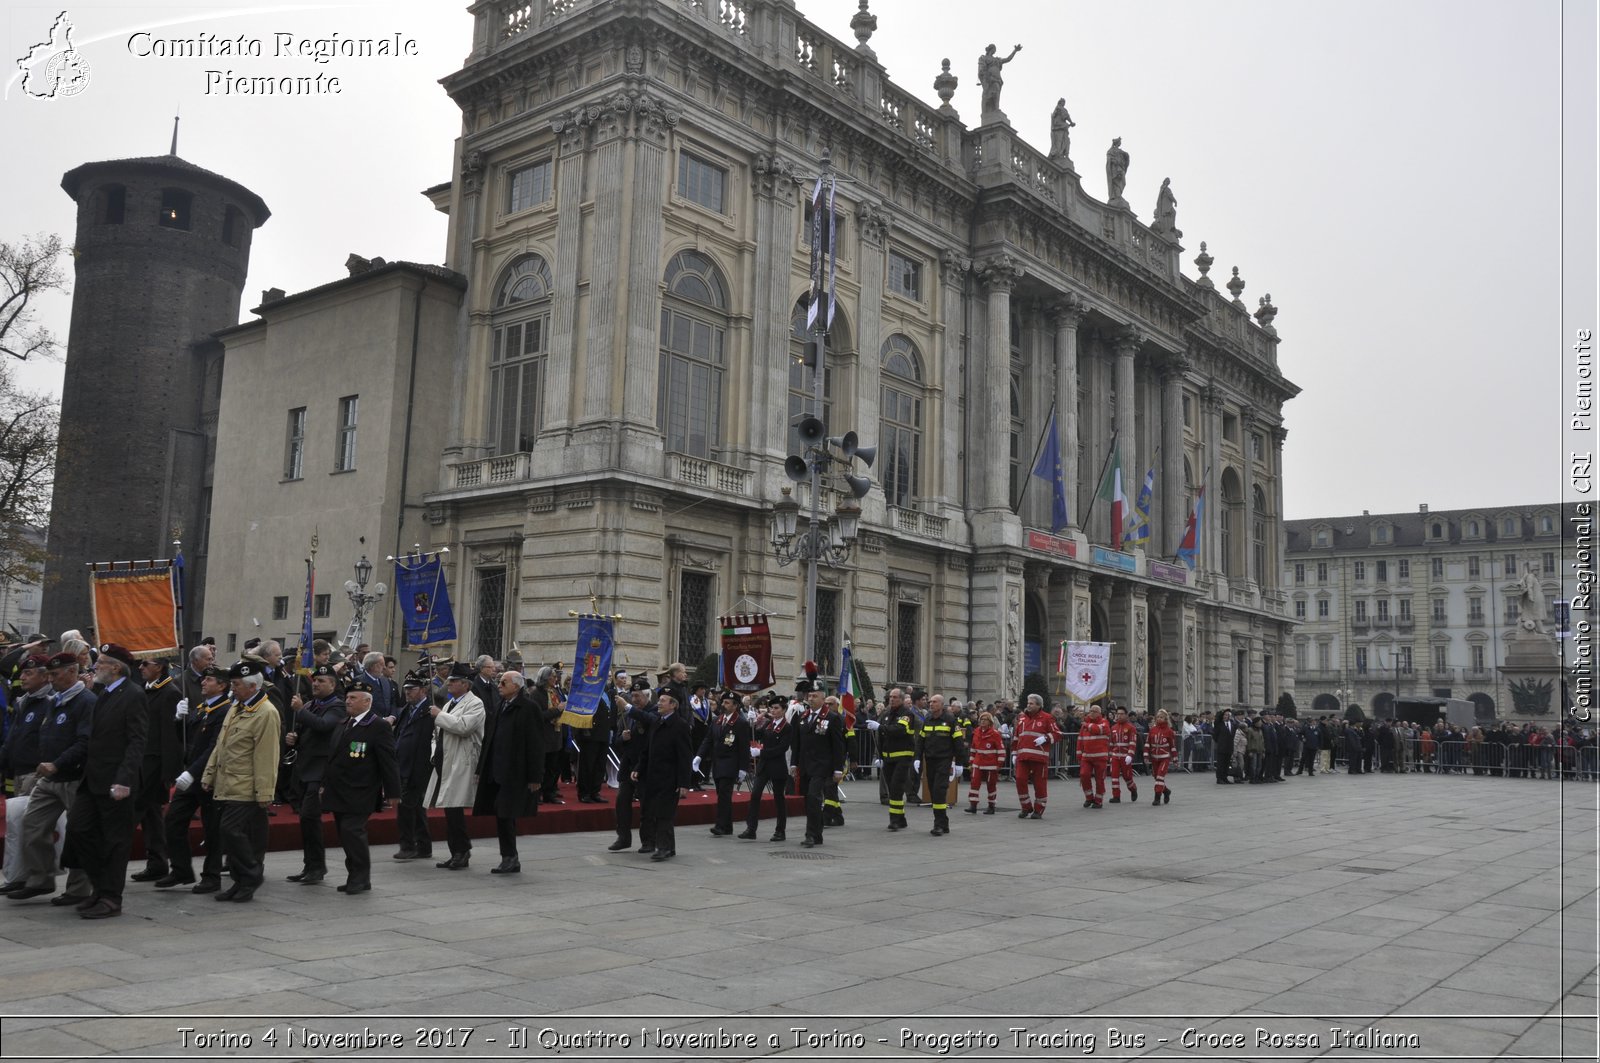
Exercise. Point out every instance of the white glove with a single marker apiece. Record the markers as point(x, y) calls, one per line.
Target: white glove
point(877, 762)
point(741, 776)
point(1127, 760)
point(183, 782)
point(872, 725)
point(1041, 740)
point(916, 767)
point(955, 772)
point(182, 711)
point(695, 764)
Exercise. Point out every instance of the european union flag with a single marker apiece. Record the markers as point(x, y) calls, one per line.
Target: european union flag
point(424, 598)
point(1049, 468)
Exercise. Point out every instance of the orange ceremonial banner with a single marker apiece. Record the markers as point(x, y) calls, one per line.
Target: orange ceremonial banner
point(137, 608)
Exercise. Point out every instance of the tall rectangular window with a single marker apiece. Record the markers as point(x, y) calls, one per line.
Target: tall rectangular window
point(1477, 657)
point(491, 619)
point(1511, 564)
point(321, 605)
point(1383, 572)
point(516, 384)
point(1405, 608)
point(1361, 611)
point(827, 655)
point(294, 460)
point(1549, 563)
point(1404, 567)
point(1360, 571)
point(1438, 568)
point(907, 639)
point(1322, 608)
point(1383, 608)
point(1405, 660)
point(1473, 570)
point(1438, 610)
point(694, 617)
point(905, 276)
point(345, 456)
point(1441, 658)
point(1513, 611)
point(529, 186)
point(702, 182)
point(1322, 572)
point(1324, 657)
point(1241, 677)
point(1300, 572)
point(1361, 660)
point(1475, 609)
point(1300, 610)
point(1302, 656)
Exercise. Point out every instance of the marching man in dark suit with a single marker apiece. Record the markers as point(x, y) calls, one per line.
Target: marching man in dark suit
point(665, 774)
point(818, 756)
point(776, 736)
point(361, 769)
point(727, 747)
point(163, 752)
point(315, 725)
point(511, 766)
point(413, 736)
point(628, 740)
point(202, 721)
point(100, 825)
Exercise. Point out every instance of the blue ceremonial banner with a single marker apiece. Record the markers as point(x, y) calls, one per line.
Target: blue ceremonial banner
point(591, 671)
point(425, 600)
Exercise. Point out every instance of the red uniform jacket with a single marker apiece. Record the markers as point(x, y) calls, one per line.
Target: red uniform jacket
point(1028, 729)
point(1124, 739)
point(987, 748)
point(1094, 740)
point(1159, 743)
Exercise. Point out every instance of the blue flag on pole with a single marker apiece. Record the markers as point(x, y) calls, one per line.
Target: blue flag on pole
point(1049, 468)
point(591, 670)
point(424, 598)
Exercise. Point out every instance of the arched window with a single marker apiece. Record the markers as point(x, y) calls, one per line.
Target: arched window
point(517, 360)
point(1258, 533)
point(1232, 524)
point(175, 205)
point(901, 408)
point(694, 328)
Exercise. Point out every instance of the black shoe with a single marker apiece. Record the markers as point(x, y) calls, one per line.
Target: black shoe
point(311, 878)
point(28, 893)
point(508, 866)
point(357, 887)
point(243, 895)
point(206, 885)
point(1133, 795)
point(457, 862)
point(103, 909)
point(809, 842)
point(748, 834)
point(150, 873)
point(228, 894)
point(87, 903)
point(299, 877)
point(1024, 813)
point(647, 848)
point(1166, 798)
point(895, 826)
point(1116, 799)
point(1155, 798)
point(777, 836)
point(718, 832)
point(989, 811)
point(1037, 814)
point(12, 887)
point(619, 845)
point(174, 878)
point(938, 831)
point(971, 810)
point(405, 854)
point(69, 900)
point(1088, 802)
point(663, 854)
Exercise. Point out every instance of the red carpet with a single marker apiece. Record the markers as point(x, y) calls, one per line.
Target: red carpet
point(699, 807)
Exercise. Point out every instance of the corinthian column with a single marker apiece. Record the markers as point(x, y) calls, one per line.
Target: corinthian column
point(1126, 344)
point(1173, 515)
point(999, 276)
point(1067, 314)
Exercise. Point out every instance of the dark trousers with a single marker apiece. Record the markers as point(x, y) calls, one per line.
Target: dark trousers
point(896, 777)
point(1308, 760)
point(1224, 761)
point(627, 790)
point(243, 830)
point(553, 763)
point(99, 838)
point(455, 831)
point(725, 803)
point(357, 855)
point(411, 819)
point(152, 824)
point(937, 772)
point(179, 815)
point(815, 787)
point(778, 779)
point(591, 768)
point(658, 821)
point(506, 830)
point(311, 843)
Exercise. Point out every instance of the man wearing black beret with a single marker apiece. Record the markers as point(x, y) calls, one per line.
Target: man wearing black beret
point(312, 742)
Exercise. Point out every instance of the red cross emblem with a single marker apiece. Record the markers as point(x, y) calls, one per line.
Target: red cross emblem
point(1085, 677)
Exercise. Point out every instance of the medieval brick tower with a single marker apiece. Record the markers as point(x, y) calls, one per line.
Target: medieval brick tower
point(161, 254)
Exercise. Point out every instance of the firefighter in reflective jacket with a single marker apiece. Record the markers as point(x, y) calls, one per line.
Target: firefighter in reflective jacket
point(897, 749)
point(1094, 745)
point(942, 753)
point(1124, 741)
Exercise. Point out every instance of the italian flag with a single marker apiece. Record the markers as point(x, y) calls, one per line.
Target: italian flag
point(1112, 491)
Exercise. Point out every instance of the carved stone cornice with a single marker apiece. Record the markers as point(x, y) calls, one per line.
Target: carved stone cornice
point(572, 127)
point(1279, 434)
point(1000, 273)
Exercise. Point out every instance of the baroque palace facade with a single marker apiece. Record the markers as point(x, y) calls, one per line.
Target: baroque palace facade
point(630, 209)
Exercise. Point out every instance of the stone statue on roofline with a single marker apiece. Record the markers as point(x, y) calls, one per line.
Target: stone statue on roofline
point(1061, 124)
point(989, 76)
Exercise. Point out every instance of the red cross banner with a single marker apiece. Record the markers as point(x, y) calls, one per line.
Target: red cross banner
point(746, 652)
point(1088, 670)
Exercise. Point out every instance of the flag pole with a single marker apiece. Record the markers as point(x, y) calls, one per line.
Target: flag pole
point(1100, 480)
point(1049, 425)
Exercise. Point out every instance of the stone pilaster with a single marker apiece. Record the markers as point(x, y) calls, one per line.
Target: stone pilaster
point(459, 443)
point(999, 276)
point(770, 327)
point(1212, 548)
point(572, 138)
point(1169, 534)
point(652, 126)
point(1126, 344)
point(953, 269)
point(1138, 618)
point(606, 248)
point(1274, 579)
point(1067, 314)
point(1247, 421)
point(873, 226)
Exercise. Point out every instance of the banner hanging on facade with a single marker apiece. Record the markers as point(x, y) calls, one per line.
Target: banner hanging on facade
point(746, 652)
point(591, 670)
point(1088, 670)
point(136, 605)
point(424, 599)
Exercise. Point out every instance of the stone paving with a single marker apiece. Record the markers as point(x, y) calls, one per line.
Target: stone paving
point(1461, 912)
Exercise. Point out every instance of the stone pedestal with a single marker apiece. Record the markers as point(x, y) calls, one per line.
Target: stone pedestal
point(1533, 673)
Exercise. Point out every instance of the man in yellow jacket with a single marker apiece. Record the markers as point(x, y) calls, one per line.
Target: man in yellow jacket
point(241, 777)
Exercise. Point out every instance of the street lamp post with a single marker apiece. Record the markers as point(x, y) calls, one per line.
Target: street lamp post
point(361, 600)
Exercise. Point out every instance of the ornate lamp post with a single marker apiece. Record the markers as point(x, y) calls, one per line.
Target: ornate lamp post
point(361, 600)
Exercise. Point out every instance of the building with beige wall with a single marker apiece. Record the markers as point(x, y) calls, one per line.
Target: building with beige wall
point(325, 404)
point(1421, 604)
point(628, 204)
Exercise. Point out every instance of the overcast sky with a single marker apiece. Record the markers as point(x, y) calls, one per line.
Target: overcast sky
point(1388, 171)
